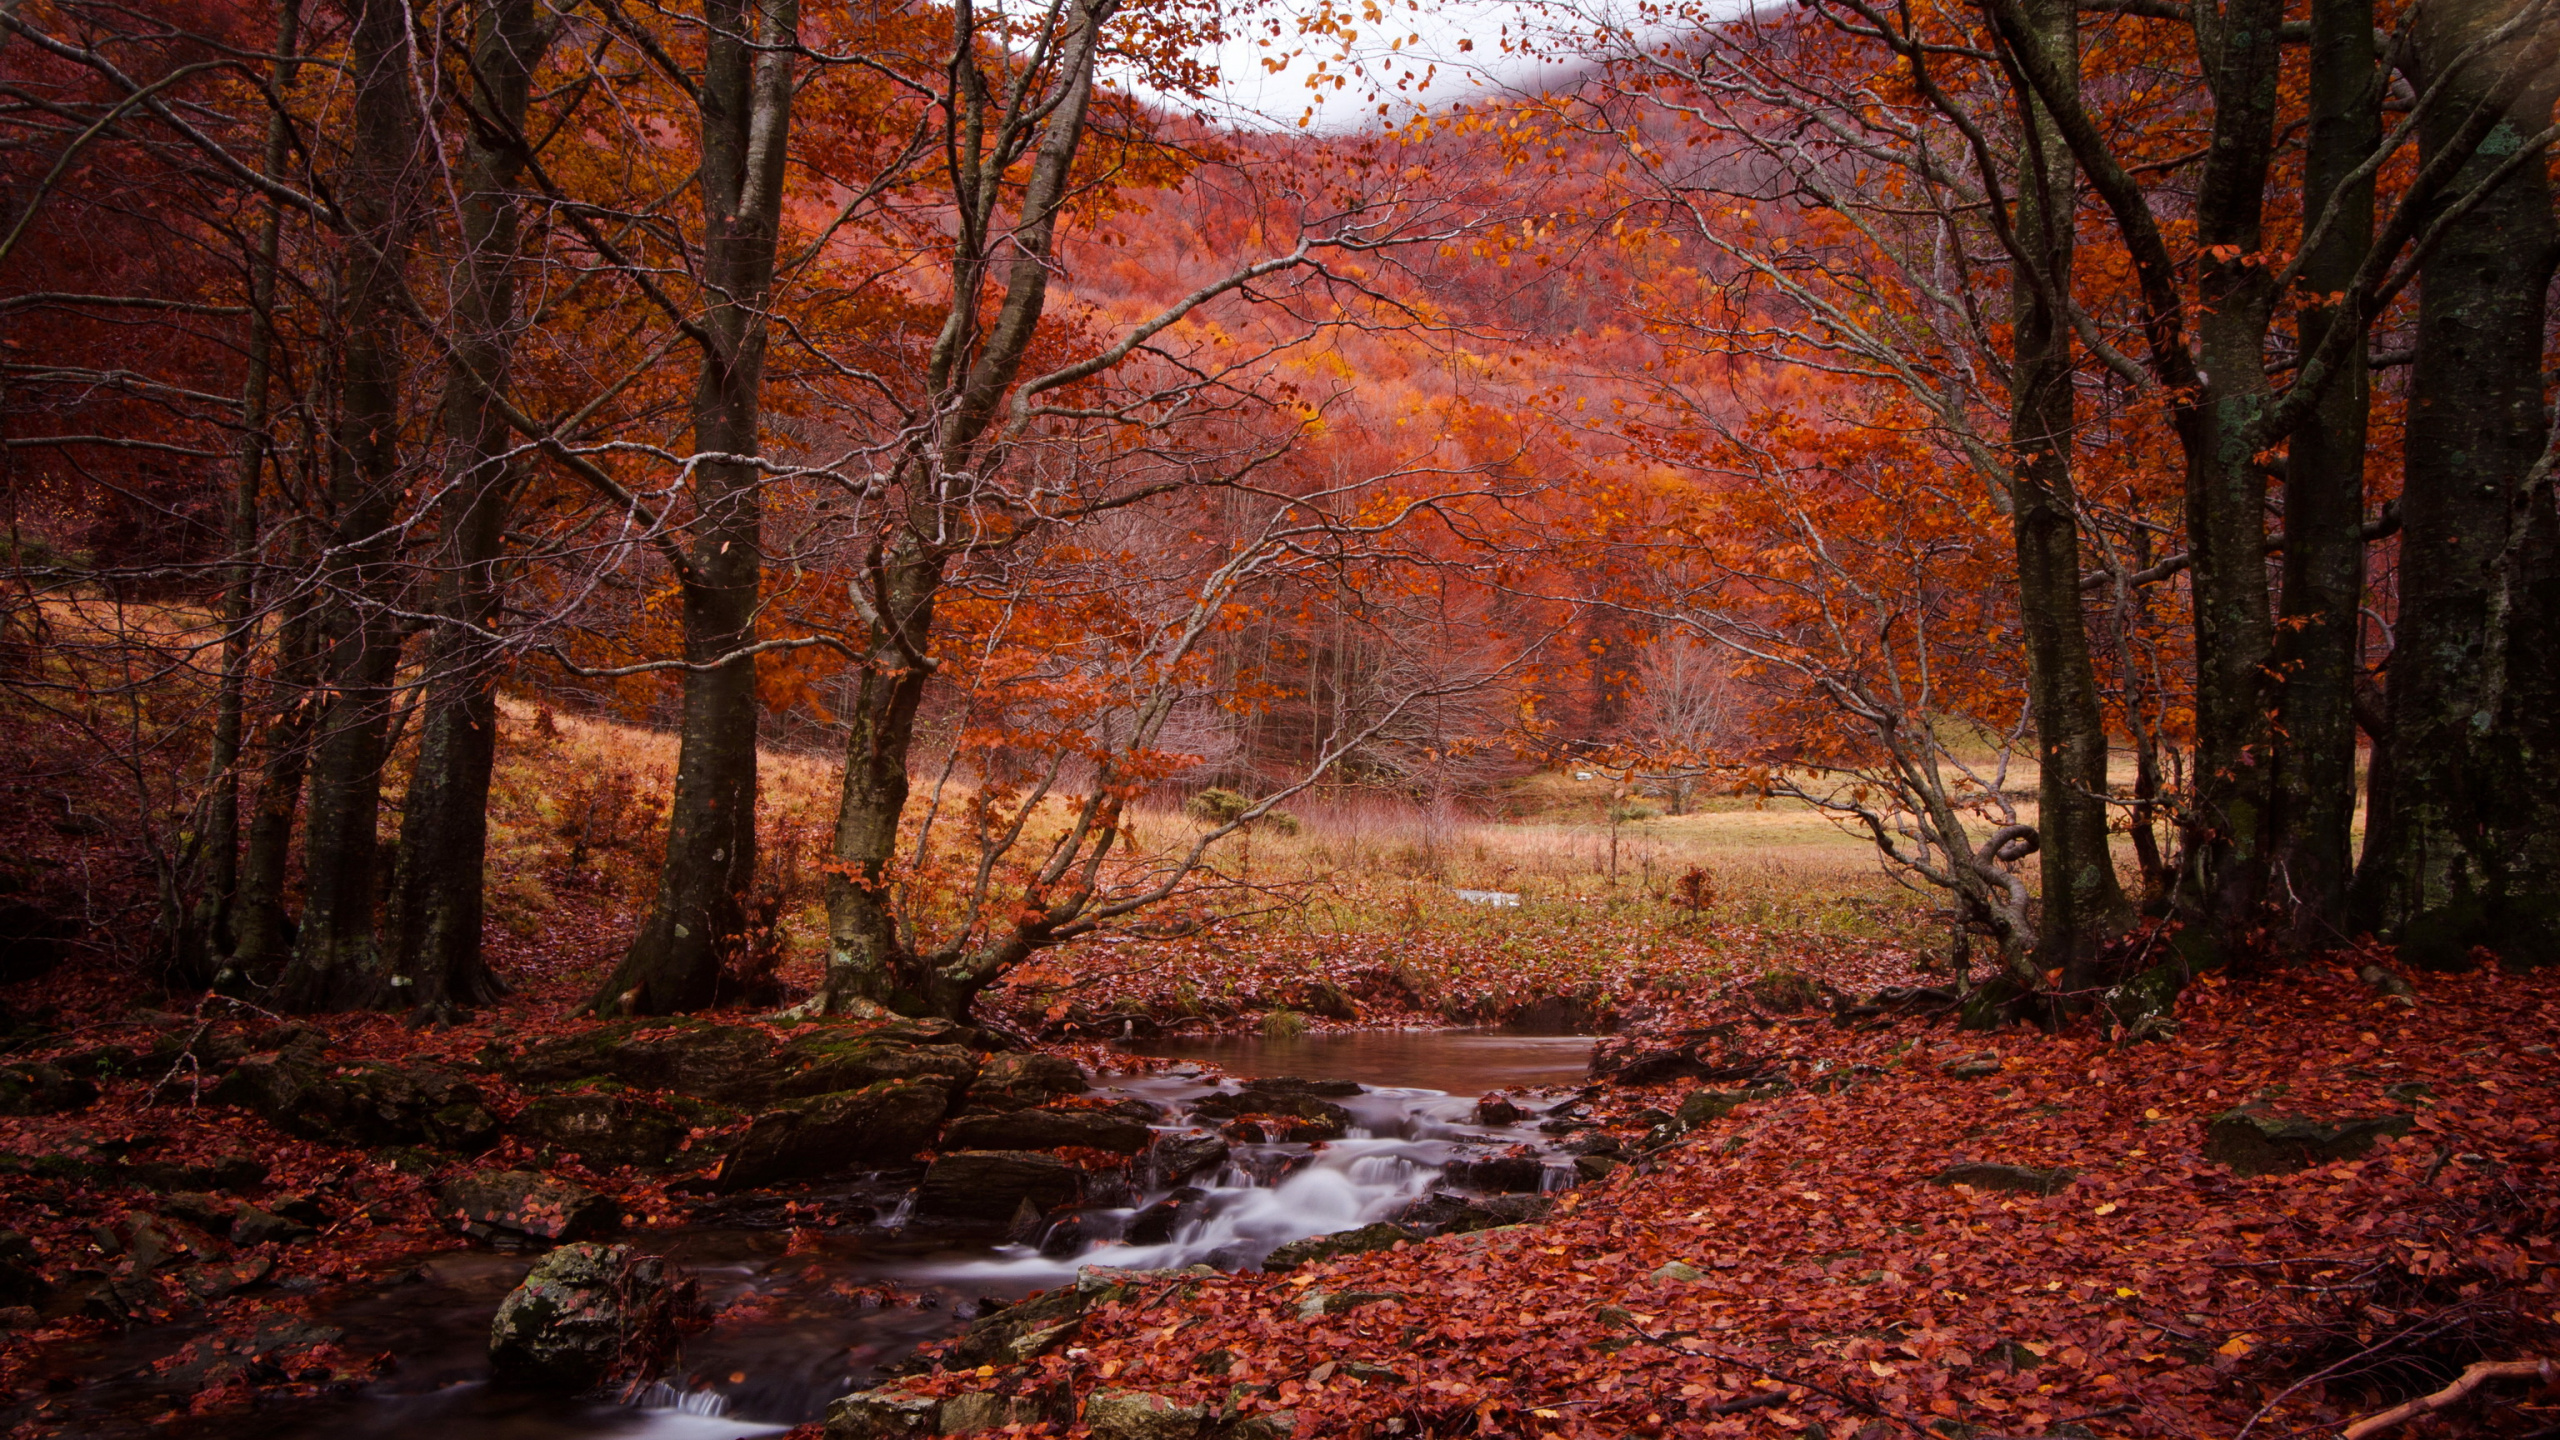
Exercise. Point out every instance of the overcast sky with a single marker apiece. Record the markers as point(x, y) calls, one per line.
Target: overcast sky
point(1462, 40)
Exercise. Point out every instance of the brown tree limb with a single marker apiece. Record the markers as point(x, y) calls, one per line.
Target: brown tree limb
point(2454, 1394)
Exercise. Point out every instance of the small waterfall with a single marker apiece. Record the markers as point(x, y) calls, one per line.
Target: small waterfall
point(1267, 1195)
point(709, 1404)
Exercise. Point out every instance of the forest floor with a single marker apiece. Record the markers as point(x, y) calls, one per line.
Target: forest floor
point(1895, 1228)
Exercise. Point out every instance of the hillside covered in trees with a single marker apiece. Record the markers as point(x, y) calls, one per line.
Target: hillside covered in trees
point(736, 698)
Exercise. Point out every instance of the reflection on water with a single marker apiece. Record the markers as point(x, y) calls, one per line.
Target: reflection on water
point(1461, 1062)
point(805, 1315)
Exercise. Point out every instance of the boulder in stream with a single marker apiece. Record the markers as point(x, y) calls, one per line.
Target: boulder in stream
point(302, 1092)
point(519, 1207)
point(1174, 1158)
point(744, 1065)
point(604, 1128)
point(1046, 1129)
point(986, 1187)
point(866, 1129)
point(1384, 1235)
point(1160, 1222)
point(1017, 1079)
point(1512, 1173)
point(589, 1316)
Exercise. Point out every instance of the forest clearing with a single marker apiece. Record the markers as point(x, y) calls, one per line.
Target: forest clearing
point(1179, 720)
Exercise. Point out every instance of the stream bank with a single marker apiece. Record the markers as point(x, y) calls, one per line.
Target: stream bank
point(834, 1256)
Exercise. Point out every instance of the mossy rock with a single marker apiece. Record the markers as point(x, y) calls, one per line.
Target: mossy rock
point(2255, 1140)
point(1384, 1235)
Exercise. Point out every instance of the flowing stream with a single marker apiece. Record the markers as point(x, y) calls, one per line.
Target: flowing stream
point(812, 1303)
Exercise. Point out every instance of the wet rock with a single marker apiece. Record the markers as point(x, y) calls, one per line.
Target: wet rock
point(832, 1058)
point(2016, 1179)
point(586, 1316)
point(1040, 1129)
point(301, 1092)
point(1013, 1081)
point(1497, 1109)
point(1081, 1230)
point(985, 1187)
point(1140, 1415)
point(1596, 1143)
point(1299, 1101)
point(513, 1207)
point(1441, 1213)
point(253, 1225)
point(1384, 1235)
point(1499, 1173)
point(2254, 1140)
point(212, 1214)
point(743, 1065)
point(1587, 1168)
point(1174, 1158)
point(43, 1090)
point(697, 1057)
point(867, 1129)
point(883, 1414)
point(233, 1172)
point(1560, 1015)
point(1030, 1326)
point(1268, 1424)
point(214, 1280)
point(604, 1129)
point(985, 1410)
point(142, 1242)
point(1160, 1222)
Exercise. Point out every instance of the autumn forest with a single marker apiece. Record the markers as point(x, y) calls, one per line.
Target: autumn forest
point(1837, 719)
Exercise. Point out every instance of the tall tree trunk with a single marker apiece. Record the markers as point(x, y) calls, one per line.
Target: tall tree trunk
point(699, 921)
point(444, 834)
point(209, 930)
point(262, 931)
point(868, 961)
point(337, 962)
point(2226, 483)
point(974, 364)
point(2317, 654)
point(2084, 904)
point(2439, 862)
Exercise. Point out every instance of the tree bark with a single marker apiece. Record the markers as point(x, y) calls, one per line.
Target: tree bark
point(436, 965)
point(337, 962)
point(262, 929)
point(2083, 902)
point(2226, 486)
point(2317, 654)
point(699, 920)
point(870, 963)
point(2454, 850)
point(208, 931)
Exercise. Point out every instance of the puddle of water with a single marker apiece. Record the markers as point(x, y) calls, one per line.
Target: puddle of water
point(1461, 1062)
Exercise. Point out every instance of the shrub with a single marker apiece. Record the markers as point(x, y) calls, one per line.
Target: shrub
point(1283, 1024)
point(1219, 805)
